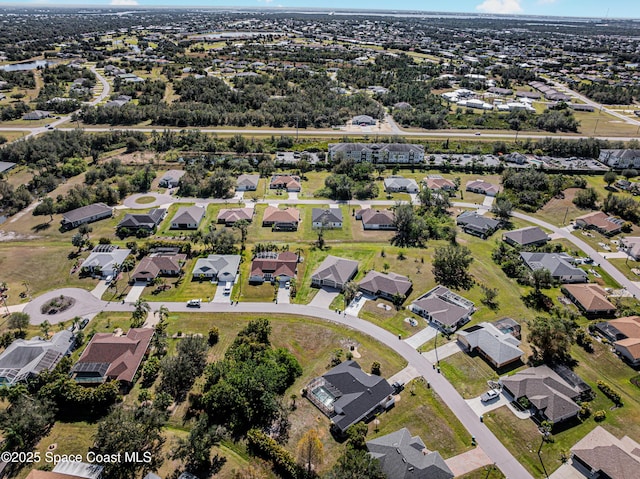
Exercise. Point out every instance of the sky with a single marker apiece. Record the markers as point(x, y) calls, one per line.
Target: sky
point(575, 8)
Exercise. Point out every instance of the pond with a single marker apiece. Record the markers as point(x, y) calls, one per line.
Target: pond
point(15, 67)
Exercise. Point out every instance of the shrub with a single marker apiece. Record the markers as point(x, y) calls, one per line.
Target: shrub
point(610, 393)
point(214, 336)
point(262, 445)
point(600, 416)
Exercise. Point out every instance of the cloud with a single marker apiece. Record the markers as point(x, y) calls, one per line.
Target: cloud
point(546, 2)
point(124, 3)
point(500, 6)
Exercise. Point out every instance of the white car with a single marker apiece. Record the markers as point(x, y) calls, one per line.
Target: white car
point(490, 395)
point(194, 303)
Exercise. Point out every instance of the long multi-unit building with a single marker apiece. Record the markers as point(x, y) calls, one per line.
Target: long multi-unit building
point(377, 152)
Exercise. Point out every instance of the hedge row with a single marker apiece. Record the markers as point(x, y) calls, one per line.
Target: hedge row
point(283, 461)
point(610, 393)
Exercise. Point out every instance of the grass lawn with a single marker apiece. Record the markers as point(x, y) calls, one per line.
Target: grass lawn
point(391, 320)
point(487, 472)
point(210, 218)
point(625, 267)
point(426, 415)
point(182, 289)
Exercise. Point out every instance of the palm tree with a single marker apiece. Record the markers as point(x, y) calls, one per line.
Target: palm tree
point(45, 327)
point(140, 312)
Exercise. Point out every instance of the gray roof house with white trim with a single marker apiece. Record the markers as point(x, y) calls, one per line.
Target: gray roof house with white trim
point(446, 309)
point(348, 395)
point(171, 178)
point(25, 358)
point(477, 225)
point(401, 153)
point(559, 264)
point(188, 217)
point(247, 182)
point(220, 267)
point(103, 259)
point(496, 347)
point(86, 214)
point(395, 184)
point(326, 218)
point(385, 285)
point(530, 236)
point(402, 456)
point(334, 272)
point(143, 221)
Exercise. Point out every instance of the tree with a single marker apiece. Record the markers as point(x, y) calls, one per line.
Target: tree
point(139, 315)
point(310, 450)
point(540, 279)
point(243, 227)
point(586, 198)
point(489, 296)
point(45, 327)
point(195, 449)
point(357, 435)
point(451, 266)
point(78, 240)
point(19, 321)
point(137, 430)
point(375, 368)
point(502, 208)
point(411, 229)
point(46, 207)
point(551, 338)
point(610, 177)
point(25, 421)
point(349, 292)
point(180, 371)
point(356, 464)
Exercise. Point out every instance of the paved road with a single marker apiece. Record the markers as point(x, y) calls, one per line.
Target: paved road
point(106, 88)
point(498, 454)
point(585, 247)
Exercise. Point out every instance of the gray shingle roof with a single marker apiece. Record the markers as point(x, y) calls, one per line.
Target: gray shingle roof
point(143, 220)
point(500, 347)
point(189, 215)
point(390, 283)
point(338, 270)
point(557, 263)
point(224, 267)
point(330, 215)
point(402, 456)
point(527, 236)
point(472, 220)
point(83, 212)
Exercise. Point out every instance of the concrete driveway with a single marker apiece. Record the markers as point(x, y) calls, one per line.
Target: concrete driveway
point(566, 471)
point(219, 296)
point(100, 289)
point(443, 351)
point(135, 292)
point(421, 337)
point(357, 304)
point(284, 294)
point(324, 297)
point(468, 461)
point(404, 376)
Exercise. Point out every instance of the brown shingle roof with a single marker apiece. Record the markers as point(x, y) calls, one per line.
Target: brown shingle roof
point(232, 215)
point(122, 353)
point(599, 220)
point(390, 283)
point(275, 215)
point(602, 451)
point(284, 264)
point(372, 216)
point(590, 296)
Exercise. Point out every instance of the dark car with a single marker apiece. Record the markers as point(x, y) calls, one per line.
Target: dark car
point(397, 387)
point(83, 323)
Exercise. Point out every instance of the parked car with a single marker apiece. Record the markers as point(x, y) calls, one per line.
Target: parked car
point(108, 279)
point(194, 303)
point(490, 395)
point(287, 285)
point(83, 323)
point(397, 387)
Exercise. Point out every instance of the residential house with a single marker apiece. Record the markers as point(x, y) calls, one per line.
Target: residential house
point(438, 183)
point(86, 214)
point(119, 101)
point(385, 153)
point(624, 333)
point(148, 222)
point(281, 220)
point(601, 222)
point(6, 166)
point(363, 120)
point(590, 298)
point(326, 218)
point(69, 470)
point(400, 184)
point(498, 348)
point(188, 217)
point(374, 219)
point(602, 455)
point(552, 397)
point(269, 265)
point(559, 264)
point(36, 115)
point(23, 359)
point(229, 216)
point(482, 187)
point(385, 285)
point(289, 183)
point(476, 224)
point(158, 264)
point(402, 456)
point(627, 158)
point(217, 267)
point(530, 236)
point(348, 395)
point(631, 245)
point(109, 357)
point(444, 308)
point(334, 272)
point(247, 182)
point(171, 179)
point(105, 260)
